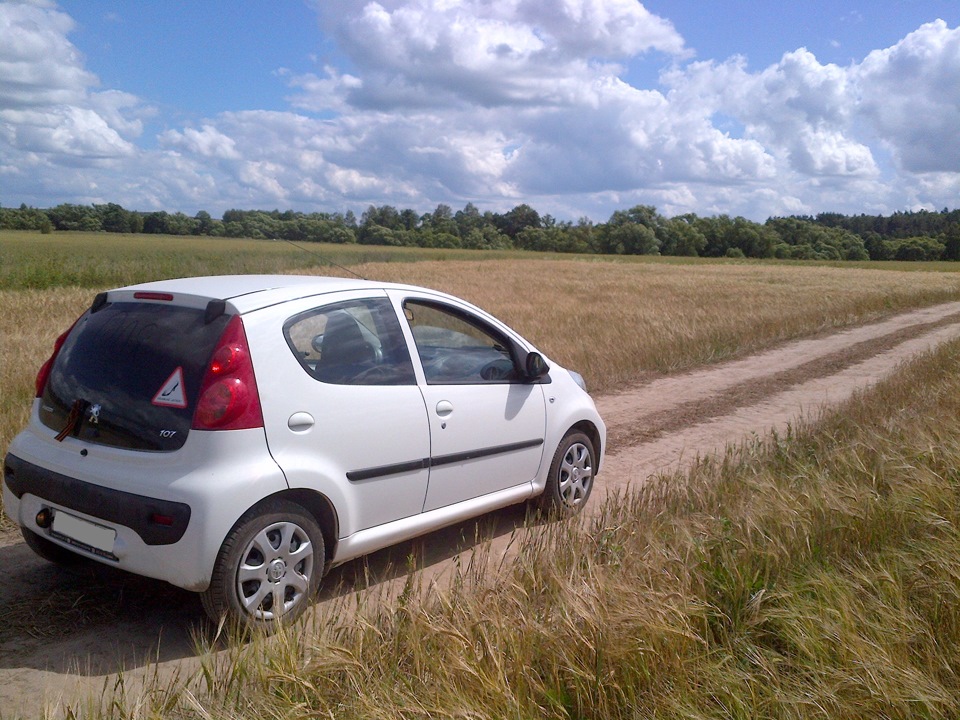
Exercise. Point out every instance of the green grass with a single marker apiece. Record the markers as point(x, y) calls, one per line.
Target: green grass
point(806, 576)
point(29, 260)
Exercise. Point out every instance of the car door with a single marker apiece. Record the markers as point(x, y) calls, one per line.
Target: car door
point(487, 425)
point(342, 409)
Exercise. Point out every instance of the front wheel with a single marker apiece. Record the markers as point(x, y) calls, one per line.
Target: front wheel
point(268, 568)
point(571, 475)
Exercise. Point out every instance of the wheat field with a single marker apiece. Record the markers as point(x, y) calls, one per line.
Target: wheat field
point(814, 575)
point(614, 322)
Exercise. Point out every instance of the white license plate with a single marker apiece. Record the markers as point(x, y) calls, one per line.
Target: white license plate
point(84, 532)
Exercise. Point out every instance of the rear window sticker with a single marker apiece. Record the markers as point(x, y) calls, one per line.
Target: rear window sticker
point(172, 393)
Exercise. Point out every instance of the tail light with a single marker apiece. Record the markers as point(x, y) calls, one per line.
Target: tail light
point(44, 373)
point(228, 396)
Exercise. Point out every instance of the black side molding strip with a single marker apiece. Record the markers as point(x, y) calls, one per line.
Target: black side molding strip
point(484, 452)
point(368, 473)
point(424, 463)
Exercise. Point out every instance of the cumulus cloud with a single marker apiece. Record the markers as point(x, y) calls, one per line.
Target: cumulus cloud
point(802, 112)
point(206, 142)
point(434, 53)
point(50, 110)
point(38, 65)
point(64, 130)
point(911, 94)
point(500, 103)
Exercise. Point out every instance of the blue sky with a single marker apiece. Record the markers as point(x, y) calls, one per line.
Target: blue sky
point(577, 107)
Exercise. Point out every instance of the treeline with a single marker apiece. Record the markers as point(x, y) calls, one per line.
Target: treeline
point(641, 230)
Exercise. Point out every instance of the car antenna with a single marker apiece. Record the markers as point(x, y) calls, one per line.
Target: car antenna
point(323, 257)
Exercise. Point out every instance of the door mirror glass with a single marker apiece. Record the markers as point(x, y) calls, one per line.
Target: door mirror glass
point(536, 367)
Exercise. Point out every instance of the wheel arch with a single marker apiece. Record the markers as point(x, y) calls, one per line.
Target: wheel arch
point(592, 432)
point(322, 510)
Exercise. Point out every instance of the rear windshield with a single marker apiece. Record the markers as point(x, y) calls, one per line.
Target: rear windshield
point(129, 374)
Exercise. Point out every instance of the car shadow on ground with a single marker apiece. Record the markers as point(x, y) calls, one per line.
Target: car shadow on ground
point(96, 621)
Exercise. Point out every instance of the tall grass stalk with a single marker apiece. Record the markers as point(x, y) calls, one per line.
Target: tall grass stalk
point(812, 574)
point(614, 322)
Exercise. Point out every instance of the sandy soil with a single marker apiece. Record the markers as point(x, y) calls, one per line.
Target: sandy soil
point(65, 636)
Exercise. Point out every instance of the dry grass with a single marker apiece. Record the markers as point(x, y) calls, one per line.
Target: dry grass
point(615, 321)
point(809, 576)
point(816, 575)
point(30, 322)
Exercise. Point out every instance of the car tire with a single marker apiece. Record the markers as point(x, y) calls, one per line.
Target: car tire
point(268, 568)
point(50, 551)
point(571, 477)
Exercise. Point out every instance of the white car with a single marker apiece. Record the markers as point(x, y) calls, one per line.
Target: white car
point(238, 436)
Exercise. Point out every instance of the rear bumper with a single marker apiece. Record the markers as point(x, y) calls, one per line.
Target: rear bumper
point(155, 521)
point(170, 511)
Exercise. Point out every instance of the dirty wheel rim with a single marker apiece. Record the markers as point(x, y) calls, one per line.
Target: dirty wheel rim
point(575, 474)
point(275, 569)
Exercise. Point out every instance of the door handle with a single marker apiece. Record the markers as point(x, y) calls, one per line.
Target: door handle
point(444, 408)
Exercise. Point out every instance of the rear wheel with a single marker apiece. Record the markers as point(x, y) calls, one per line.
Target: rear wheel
point(268, 568)
point(571, 476)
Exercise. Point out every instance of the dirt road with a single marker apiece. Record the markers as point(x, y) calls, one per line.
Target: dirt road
point(62, 636)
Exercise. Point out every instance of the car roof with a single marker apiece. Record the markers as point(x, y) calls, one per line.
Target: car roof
point(247, 293)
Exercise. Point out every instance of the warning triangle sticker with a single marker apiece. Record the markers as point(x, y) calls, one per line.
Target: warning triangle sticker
point(172, 394)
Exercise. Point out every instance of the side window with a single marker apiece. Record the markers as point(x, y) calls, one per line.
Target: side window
point(455, 349)
point(358, 342)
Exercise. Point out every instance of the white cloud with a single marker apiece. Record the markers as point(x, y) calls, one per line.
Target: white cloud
point(499, 103)
point(603, 28)
point(64, 130)
point(49, 110)
point(911, 94)
point(433, 53)
point(206, 142)
point(38, 65)
point(122, 111)
point(802, 112)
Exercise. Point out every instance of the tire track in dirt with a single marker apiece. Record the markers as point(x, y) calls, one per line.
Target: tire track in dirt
point(677, 409)
point(776, 411)
point(64, 636)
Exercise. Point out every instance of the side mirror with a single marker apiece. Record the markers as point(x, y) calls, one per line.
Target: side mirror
point(535, 367)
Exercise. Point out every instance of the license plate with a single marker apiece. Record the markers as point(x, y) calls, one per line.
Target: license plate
point(78, 531)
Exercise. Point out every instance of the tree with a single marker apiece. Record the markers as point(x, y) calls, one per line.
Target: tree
point(468, 219)
point(73, 217)
point(632, 232)
point(951, 242)
point(633, 239)
point(385, 217)
point(204, 223)
point(516, 220)
point(919, 248)
point(409, 220)
point(486, 237)
point(681, 236)
point(113, 218)
point(441, 221)
point(155, 223)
